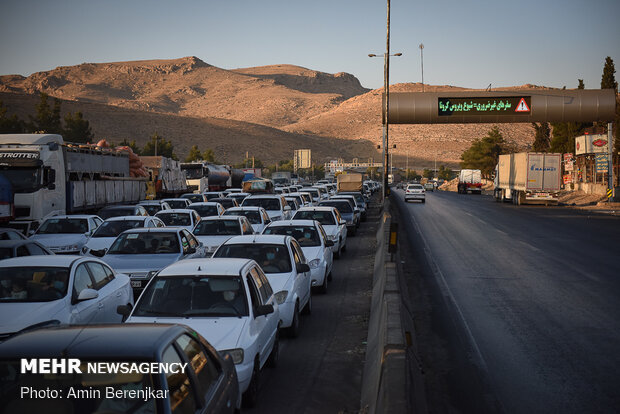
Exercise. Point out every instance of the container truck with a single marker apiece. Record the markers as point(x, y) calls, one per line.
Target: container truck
point(205, 176)
point(50, 177)
point(470, 180)
point(349, 182)
point(281, 178)
point(528, 177)
point(166, 174)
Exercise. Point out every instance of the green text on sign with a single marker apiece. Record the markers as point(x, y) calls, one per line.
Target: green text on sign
point(512, 105)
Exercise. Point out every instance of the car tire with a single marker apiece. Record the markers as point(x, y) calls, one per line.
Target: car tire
point(274, 356)
point(250, 396)
point(293, 330)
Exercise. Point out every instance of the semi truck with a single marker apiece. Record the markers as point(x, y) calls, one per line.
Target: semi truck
point(528, 178)
point(50, 177)
point(470, 180)
point(281, 178)
point(204, 176)
point(349, 182)
point(166, 175)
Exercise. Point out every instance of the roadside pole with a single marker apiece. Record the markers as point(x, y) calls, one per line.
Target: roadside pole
point(610, 162)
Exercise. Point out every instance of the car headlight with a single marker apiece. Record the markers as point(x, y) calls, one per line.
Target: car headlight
point(314, 263)
point(281, 296)
point(333, 237)
point(236, 354)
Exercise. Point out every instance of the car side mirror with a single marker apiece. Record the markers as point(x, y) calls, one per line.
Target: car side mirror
point(123, 310)
point(329, 243)
point(303, 268)
point(99, 253)
point(263, 310)
point(87, 294)
point(342, 222)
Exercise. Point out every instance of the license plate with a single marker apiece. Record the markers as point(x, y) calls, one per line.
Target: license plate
point(136, 283)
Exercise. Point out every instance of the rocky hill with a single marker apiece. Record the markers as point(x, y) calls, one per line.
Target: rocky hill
point(268, 111)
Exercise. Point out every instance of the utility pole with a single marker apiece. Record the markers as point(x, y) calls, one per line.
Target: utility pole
point(407, 168)
point(386, 90)
point(422, 61)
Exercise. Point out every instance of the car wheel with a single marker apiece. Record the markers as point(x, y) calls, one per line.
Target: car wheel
point(307, 310)
point(293, 330)
point(274, 356)
point(250, 396)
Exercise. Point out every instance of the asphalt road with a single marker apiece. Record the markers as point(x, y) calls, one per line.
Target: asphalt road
point(320, 371)
point(524, 304)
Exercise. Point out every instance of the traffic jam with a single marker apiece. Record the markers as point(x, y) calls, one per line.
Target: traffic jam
point(149, 285)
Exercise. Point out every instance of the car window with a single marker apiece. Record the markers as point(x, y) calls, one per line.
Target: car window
point(247, 227)
point(218, 228)
point(82, 280)
point(63, 226)
point(323, 234)
point(206, 369)
point(35, 249)
point(92, 224)
point(22, 251)
point(298, 256)
point(114, 228)
point(260, 284)
point(100, 275)
point(145, 243)
point(175, 219)
point(254, 295)
point(272, 258)
point(181, 390)
point(193, 243)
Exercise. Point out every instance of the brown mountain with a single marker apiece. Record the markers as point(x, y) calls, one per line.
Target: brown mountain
point(267, 111)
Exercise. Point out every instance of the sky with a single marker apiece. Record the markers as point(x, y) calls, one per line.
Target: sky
point(471, 44)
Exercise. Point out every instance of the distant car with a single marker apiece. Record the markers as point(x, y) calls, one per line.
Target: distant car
point(141, 253)
point(357, 205)
point(22, 247)
point(332, 222)
point(293, 203)
point(238, 196)
point(228, 301)
point(51, 290)
point(314, 192)
point(226, 202)
point(230, 191)
point(213, 231)
point(213, 194)
point(359, 199)
point(415, 192)
point(274, 204)
point(66, 234)
point(257, 216)
point(323, 191)
point(347, 212)
point(177, 202)
point(429, 186)
point(208, 384)
point(105, 234)
point(207, 209)
point(284, 263)
point(304, 199)
point(179, 217)
point(117, 211)
point(154, 206)
point(11, 234)
point(314, 243)
point(195, 197)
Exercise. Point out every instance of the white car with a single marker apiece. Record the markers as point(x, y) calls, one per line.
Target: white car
point(304, 199)
point(314, 243)
point(207, 209)
point(275, 205)
point(66, 234)
point(177, 202)
point(323, 190)
point(284, 263)
point(314, 192)
point(179, 217)
point(154, 206)
point(257, 216)
point(141, 253)
point(238, 196)
point(213, 231)
point(36, 291)
point(415, 192)
point(228, 301)
point(332, 222)
point(105, 234)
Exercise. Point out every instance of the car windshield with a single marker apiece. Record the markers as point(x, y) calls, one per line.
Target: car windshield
point(145, 243)
point(114, 228)
point(6, 253)
point(218, 228)
point(177, 203)
point(313, 191)
point(306, 236)
point(125, 385)
point(292, 204)
point(273, 258)
point(23, 180)
point(152, 209)
point(343, 206)
point(415, 187)
point(326, 218)
point(252, 216)
point(226, 202)
point(175, 219)
point(106, 213)
point(33, 283)
point(266, 203)
point(187, 296)
point(205, 211)
point(63, 226)
point(211, 196)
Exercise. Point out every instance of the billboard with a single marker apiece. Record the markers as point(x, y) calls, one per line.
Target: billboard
point(591, 144)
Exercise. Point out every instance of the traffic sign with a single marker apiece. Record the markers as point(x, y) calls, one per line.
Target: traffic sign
point(609, 193)
point(522, 106)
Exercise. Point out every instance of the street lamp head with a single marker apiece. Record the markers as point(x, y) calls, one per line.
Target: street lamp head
point(372, 55)
point(398, 54)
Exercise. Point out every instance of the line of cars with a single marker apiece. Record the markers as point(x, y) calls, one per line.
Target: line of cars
point(252, 289)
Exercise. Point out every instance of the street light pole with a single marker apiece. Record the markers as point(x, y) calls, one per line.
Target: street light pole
point(422, 61)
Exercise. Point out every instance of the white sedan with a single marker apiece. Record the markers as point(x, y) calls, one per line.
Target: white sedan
point(179, 217)
point(37, 291)
point(284, 263)
point(229, 302)
point(105, 234)
point(213, 231)
point(66, 234)
point(315, 245)
point(332, 222)
point(257, 216)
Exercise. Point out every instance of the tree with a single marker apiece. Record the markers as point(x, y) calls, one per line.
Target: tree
point(159, 146)
point(10, 124)
point(428, 173)
point(46, 119)
point(564, 133)
point(444, 173)
point(134, 147)
point(581, 84)
point(194, 154)
point(209, 155)
point(77, 129)
point(484, 153)
point(542, 138)
point(608, 80)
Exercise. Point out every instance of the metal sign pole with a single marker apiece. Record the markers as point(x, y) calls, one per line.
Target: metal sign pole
point(610, 161)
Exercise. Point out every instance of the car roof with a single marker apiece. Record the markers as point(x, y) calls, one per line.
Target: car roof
point(154, 229)
point(75, 216)
point(258, 239)
point(127, 218)
point(57, 260)
point(117, 341)
point(174, 199)
point(317, 208)
point(291, 223)
point(175, 210)
point(241, 208)
point(224, 266)
point(264, 196)
point(204, 203)
point(228, 217)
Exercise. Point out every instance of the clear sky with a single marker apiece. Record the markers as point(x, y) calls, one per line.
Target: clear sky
point(466, 43)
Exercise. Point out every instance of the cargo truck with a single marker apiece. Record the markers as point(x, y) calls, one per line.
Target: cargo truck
point(528, 178)
point(205, 176)
point(470, 180)
point(281, 179)
point(166, 174)
point(50, 177)
point(349, 182)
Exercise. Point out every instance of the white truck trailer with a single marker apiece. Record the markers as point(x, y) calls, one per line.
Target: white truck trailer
point(528, 178)
point(50, 177)
point(470, 180)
